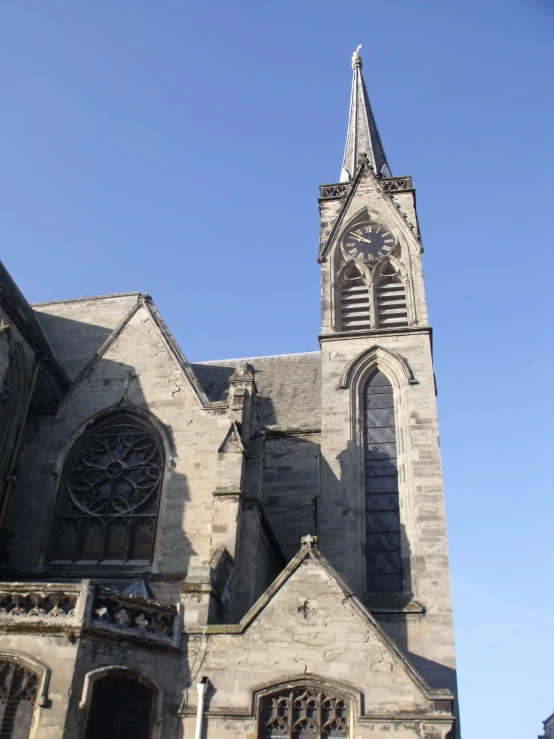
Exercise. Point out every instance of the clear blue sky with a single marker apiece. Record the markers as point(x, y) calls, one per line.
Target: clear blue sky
point(177, 146)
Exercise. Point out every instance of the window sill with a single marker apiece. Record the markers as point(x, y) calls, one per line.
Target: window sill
point(379, 603)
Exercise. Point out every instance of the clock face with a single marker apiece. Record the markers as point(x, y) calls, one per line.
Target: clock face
point(370, 241)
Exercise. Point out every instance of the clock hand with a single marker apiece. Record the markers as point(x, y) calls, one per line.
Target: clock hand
point(362, 238)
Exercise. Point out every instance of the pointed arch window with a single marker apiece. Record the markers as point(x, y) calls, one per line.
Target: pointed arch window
point(18, 694)
point(304, 712)
point(121, 707)
point(109, 494)
point(384, 572)
point(391, 298)
point(355, 313)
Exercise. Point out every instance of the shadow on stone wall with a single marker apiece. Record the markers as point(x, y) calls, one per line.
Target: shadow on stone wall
point(26, 534)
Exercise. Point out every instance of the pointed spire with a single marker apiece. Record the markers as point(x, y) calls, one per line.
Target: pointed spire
point(363, 136)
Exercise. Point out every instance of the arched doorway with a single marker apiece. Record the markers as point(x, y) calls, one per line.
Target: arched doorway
point(121, 708)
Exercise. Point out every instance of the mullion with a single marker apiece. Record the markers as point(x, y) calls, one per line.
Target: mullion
point(9, 684)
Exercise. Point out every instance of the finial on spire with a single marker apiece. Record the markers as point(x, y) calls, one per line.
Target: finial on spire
point(363, 136)
point(356, 58)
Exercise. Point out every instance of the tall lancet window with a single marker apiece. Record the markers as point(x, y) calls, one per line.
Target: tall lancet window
point(391, 298)
point(354, 301)
point(110, 491)
point(383, 554)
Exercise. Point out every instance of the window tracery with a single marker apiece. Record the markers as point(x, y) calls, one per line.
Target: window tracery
point(18, 694)
point(109, 494)
point(384, 571)
point(303, 712)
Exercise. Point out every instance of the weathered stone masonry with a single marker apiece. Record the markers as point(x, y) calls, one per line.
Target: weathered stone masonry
point(165, 523)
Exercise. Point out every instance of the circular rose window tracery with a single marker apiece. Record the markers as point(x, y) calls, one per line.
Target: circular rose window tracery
point(110, 491)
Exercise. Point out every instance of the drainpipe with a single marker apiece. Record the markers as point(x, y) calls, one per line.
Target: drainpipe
point(202, 688)
point(10, 477)
point(318, 500)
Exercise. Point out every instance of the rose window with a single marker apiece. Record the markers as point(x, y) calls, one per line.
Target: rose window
point(110, 491)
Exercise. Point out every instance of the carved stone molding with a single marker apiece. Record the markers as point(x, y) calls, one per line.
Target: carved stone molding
point(39, 604)
point(134, 616)
point(397, 183)
point(333, 191)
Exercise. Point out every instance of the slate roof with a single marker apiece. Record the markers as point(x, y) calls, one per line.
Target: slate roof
point(22, 314)
point(289, 387)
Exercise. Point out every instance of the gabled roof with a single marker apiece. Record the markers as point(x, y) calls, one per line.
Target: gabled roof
point(365, 169)
point(78, 327)
point(289, 387)
point(362, 136)
point(81, 330)
point(309, 551)
point(144, 301)
point(23, 316)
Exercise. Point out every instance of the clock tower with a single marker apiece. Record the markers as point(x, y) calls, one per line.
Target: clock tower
point(382, 519)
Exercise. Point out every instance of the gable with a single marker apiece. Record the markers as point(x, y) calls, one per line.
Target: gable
point(140, 363)
point(367, 197)
point(309, 625)
point(331, 634)
point(76, 329)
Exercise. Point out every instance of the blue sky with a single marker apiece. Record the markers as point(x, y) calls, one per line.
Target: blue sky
point(177, 146)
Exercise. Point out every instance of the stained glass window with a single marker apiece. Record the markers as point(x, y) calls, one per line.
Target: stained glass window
point(303, 712)
point(109, 496)
point(383, 553)
point(18, 693)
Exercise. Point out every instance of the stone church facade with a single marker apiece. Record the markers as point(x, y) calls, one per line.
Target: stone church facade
point(252, 548)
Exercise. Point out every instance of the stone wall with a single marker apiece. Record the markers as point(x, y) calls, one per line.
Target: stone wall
point(139, 369)
point(430, 637)
point(420, 619)
point(308, 629)
point(290, 487)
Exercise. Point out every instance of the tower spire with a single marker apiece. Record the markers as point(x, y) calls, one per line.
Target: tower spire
point(363, 136)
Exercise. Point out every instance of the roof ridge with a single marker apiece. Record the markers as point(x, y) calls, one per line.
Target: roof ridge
point(86, 297)
point(263, 356)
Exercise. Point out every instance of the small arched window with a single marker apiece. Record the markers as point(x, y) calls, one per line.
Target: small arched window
point(391, 298)
point(355, 311)
point(383, 553)
point(109, 495)
point(18, 694)
point(120, 708)
point(304, 712)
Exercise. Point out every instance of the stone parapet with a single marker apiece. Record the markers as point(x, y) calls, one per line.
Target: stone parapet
point(85, 606)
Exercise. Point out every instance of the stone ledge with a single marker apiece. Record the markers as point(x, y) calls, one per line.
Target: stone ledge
point(227, 492)
point(338, 335)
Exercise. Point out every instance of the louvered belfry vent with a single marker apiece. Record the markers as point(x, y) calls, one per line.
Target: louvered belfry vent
point(354, 304)
point(391, 301)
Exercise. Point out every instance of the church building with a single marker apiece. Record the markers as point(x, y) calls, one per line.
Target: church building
point(237, 549)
